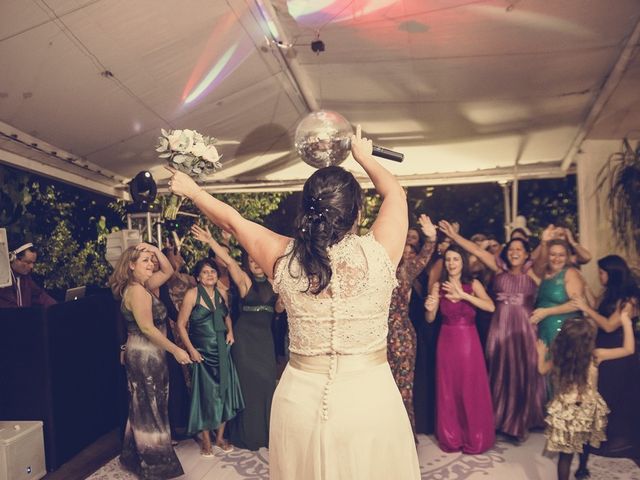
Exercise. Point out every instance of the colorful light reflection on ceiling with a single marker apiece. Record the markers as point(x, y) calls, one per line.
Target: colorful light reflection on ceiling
point(216, 64)
point(228, 46)
point(209, 81)
point(316, 13)
point(218, 60)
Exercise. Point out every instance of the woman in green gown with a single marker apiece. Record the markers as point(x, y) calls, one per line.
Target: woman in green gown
point(215, 389)
point(561, 283)
point(254, 352)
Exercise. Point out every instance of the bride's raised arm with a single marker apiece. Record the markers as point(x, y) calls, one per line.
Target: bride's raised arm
point(390, 228)
point(262, 244)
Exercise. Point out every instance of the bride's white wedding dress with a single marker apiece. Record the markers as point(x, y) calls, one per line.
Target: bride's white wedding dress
point(337, 413)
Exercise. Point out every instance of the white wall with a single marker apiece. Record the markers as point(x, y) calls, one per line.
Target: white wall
point(593, 212)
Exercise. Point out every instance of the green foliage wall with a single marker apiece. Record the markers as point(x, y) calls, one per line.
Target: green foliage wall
point(480, 207)
point(257, 207)
point(69, 225)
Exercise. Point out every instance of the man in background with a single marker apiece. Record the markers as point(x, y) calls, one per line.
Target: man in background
point(24, 292)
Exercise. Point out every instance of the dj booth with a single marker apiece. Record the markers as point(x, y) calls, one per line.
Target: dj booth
point(61, 365)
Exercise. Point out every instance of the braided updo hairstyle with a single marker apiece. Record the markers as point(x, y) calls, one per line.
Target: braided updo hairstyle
point(331, 202)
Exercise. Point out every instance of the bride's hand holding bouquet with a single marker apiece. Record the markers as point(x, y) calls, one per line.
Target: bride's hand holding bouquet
point(183, 185)
point(190, 153)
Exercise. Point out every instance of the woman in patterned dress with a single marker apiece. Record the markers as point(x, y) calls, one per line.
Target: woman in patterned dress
point(337, 412)
point(146, 449)
point(401, 340)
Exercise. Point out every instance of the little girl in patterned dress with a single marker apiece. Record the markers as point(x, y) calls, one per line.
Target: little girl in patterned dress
point(577, 414)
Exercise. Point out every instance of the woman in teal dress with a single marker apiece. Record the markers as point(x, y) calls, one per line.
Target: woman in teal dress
point(561, 283)
point(215, 389)
point(254, 352)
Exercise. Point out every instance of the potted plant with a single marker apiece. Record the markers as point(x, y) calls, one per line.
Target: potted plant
point(622, 175)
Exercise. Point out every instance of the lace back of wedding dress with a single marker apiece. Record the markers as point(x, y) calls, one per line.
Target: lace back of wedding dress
point(350, 316)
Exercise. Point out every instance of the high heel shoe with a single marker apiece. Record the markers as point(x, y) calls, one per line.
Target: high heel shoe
point(582, 472)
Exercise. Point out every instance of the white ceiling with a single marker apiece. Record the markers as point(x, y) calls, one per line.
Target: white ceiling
point(466, 89)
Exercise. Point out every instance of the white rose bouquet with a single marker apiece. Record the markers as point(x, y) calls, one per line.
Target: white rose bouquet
point(191, 153)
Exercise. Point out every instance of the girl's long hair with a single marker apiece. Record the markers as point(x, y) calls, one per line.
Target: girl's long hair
point(572, 353)
point(122, 273)
point(621, 286)
point(331, 202)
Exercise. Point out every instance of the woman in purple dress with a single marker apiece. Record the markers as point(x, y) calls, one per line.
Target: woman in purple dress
point(517, 389)
point(464, 416)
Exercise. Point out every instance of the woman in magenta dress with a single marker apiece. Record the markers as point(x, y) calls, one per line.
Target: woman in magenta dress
point(517, 389)
point(464, 413)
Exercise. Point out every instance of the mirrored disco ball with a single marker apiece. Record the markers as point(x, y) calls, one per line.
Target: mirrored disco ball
point(323, 138)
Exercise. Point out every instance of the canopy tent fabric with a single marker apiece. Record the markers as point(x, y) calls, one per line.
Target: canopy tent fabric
point(468, 90)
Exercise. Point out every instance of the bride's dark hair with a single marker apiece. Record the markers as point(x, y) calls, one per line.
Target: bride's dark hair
point(331, 201)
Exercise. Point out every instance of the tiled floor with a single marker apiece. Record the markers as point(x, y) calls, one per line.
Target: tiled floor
point(505, 461)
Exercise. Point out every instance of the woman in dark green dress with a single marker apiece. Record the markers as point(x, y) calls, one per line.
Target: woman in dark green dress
point(254, 351)
point(255, 357)
point(215, 390)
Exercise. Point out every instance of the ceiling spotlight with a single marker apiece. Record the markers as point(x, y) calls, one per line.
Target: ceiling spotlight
point(317, 46)
point(143, 190)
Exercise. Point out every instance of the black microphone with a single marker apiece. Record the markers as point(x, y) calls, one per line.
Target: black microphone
point(379, 151)
point(387, 153)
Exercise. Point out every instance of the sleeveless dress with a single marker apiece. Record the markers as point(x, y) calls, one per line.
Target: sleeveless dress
point(622, 397)
point(464, 414)
point(517, 389)
point(255, 359)
point(146, 448)
point(402, 339)
point(552, 293)
point(575, 418)
point(215, 390)
point(424, 379)
point(337, 413)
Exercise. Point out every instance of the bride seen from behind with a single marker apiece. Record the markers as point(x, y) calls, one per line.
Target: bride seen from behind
point(337, 412)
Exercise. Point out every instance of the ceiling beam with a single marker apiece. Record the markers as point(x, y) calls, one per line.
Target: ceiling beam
point(606, 91)
point(280, 43)
point(46, 170)
point(525, 172)
point(27, 145)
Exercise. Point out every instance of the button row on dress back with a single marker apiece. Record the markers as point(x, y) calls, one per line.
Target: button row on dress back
point(333, 364)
